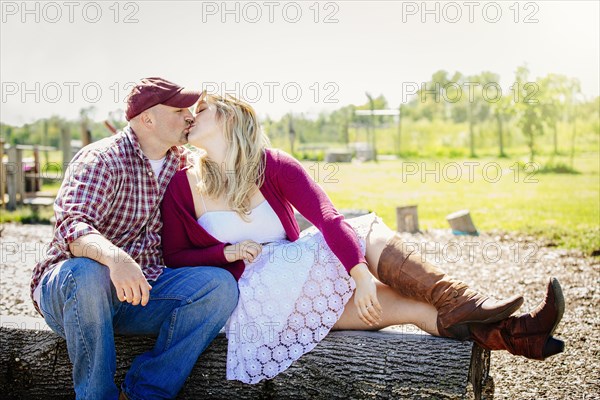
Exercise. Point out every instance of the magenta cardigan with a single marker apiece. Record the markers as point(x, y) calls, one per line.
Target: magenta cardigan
point(286, 185)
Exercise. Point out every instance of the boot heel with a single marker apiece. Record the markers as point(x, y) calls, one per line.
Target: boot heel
point(552, 347)
point(559, 301)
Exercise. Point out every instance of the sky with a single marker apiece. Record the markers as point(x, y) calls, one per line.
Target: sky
point(282, 56)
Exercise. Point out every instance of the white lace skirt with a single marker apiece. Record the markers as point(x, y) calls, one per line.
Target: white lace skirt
point(290, 298)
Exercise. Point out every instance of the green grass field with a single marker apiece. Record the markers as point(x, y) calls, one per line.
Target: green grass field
point(562, 207)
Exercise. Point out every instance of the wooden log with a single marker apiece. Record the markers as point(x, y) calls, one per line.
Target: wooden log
point(407, 219)
point(461, 223)
point(391, 363)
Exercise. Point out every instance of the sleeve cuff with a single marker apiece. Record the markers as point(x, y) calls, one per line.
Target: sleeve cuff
point(79, 229)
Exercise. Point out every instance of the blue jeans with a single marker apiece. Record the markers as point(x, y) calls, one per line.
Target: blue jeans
point(187, 308)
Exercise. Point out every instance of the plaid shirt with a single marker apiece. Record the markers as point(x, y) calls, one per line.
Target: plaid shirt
point(110, 189)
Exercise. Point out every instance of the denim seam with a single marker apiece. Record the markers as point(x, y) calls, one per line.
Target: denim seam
point(179, 298)
point(171, 328)
point(87, 351)
point(167, 342)
point(119, 316)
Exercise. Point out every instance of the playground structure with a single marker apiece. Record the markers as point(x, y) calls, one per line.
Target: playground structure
point(21, 177)
point(366, 150)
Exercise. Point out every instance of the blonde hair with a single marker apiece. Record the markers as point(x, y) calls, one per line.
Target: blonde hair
point(244, 165)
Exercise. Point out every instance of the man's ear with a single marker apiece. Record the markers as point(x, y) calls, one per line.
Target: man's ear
point(147, 119)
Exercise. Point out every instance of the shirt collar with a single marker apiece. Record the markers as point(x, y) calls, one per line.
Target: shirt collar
point(130, 134)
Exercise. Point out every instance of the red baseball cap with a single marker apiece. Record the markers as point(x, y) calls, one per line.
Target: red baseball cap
point(152, 91)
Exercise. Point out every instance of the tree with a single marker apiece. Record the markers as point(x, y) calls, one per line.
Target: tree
point(378, 103)
point(341, 120)
point(430, 100)
point(502, 110)
point(555, 93)
point(575, 91)
point(477, 101)
point(399, 147)
point(529, 110)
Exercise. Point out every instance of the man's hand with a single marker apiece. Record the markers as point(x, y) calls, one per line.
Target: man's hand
point(129, 281)
point(247, 250)
point(125, 274)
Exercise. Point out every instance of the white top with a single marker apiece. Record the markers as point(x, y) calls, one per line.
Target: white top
point(157, 165)
point(263, 225)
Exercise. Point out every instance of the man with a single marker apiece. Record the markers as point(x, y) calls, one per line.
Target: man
point(103, 273)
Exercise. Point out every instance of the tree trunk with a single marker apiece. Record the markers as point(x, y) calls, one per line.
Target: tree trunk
point(500, 135)
point(531, 148)
point(555, 138)
point(400, 148)
point(65, 142)
point(346, 364)
point(573, 141)
point(471, 130)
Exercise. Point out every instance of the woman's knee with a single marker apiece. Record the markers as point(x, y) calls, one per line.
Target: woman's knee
point(376, 241)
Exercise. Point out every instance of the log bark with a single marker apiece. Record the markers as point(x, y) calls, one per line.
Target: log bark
point(391, 363)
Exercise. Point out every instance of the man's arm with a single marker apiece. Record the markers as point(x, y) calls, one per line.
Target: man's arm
point(126, 274)
point(84, 204)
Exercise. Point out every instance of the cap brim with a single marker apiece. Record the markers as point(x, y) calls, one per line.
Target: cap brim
point(183, 99)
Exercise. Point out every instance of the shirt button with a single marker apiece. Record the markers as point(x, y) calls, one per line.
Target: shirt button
point(150, 173)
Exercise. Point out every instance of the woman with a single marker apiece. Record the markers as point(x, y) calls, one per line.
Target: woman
point(233, 208)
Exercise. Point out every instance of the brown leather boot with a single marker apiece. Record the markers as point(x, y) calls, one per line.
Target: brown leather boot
point(529, 335)
point(456, 304)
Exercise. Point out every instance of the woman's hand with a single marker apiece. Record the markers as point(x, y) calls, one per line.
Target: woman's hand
point(248, 250)
point(365, 297)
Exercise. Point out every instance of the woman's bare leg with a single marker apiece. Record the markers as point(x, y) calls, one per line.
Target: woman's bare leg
point(454, 301)
point(397, 310)
point(404, 270)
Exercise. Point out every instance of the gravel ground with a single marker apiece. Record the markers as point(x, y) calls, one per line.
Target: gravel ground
point(497, 263)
